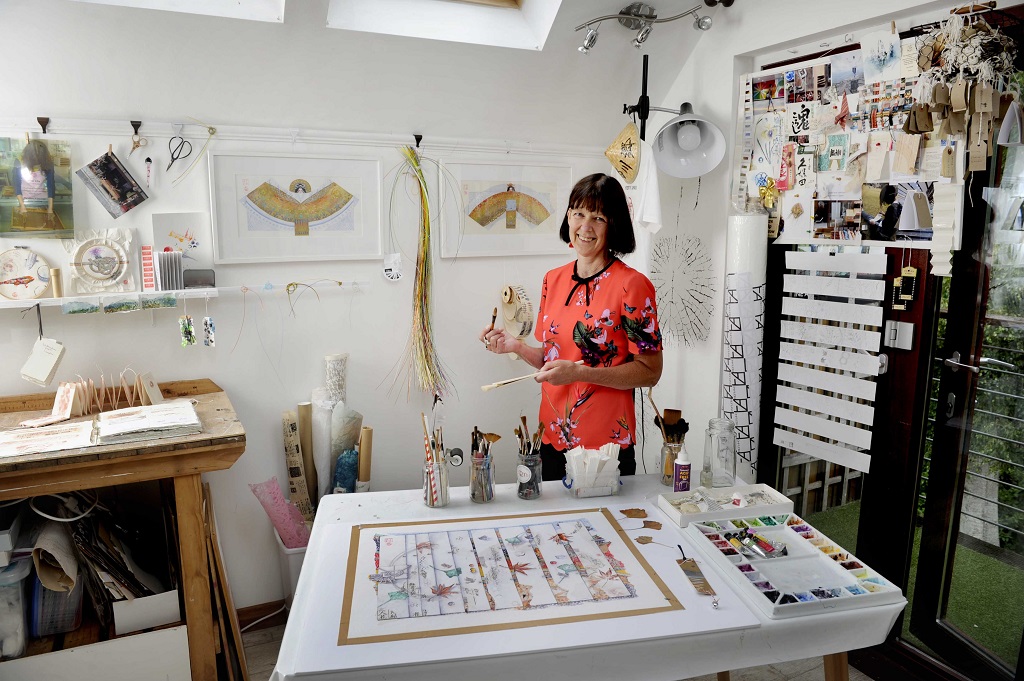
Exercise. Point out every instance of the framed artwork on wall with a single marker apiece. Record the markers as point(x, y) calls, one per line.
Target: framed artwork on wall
point(507, 208)
point(280, 207)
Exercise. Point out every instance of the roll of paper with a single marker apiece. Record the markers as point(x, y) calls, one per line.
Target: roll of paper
point(345, 426)
point(297, 491)
point(323, 411)
point(336, 376)
point(365, 457)
point(305, 413)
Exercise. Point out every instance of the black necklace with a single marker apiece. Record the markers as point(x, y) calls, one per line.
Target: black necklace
point(585, 281)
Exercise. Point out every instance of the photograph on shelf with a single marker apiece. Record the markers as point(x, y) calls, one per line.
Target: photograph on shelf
point(279, 208)
point(837, 220)
point(187, 233)
point(112, 184)
point(35, 188)
point(506, 208)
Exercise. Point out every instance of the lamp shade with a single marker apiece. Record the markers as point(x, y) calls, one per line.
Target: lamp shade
point(688, 146)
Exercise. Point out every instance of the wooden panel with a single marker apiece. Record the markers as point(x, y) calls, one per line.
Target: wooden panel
point(818, 425)
point(826, 380)
point(869, 263)
point(827, 334)
point(841, 287)
point(805, 399)
point(195, 577)
point(869, 315)
point(822, 450)
point(833, 359)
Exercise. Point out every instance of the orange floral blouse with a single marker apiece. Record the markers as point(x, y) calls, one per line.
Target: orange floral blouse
point(604, 320)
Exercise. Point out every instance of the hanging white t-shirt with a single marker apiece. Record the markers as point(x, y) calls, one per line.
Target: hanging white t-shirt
point(644, 208)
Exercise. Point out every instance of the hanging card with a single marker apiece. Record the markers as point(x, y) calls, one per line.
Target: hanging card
point(958, 96)
point(905, 161)
point(977, 155)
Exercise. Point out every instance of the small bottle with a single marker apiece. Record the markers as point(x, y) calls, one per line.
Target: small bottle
point(707, 473)
point(681, 472)
point(669, 453)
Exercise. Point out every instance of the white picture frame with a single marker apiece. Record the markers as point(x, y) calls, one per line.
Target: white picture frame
point(508, 207)
point(259, 217)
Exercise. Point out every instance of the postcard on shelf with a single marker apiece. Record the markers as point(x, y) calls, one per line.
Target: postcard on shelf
point(185, 233)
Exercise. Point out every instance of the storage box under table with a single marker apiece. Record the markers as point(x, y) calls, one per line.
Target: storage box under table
point(816, 574)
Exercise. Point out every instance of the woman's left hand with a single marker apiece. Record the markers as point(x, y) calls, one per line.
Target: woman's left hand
point(559, 372)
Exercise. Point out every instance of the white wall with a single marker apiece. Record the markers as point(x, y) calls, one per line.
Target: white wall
point(106, 63)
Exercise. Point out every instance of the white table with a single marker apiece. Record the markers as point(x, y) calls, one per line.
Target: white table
point(735, 636)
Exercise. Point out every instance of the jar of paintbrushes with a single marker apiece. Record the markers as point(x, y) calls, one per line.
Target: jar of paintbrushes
point(435, 468)
point(528, 472)
point(481, 468)
point(673, 431)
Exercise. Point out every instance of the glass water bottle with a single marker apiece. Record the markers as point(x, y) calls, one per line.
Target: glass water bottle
point(720, 449)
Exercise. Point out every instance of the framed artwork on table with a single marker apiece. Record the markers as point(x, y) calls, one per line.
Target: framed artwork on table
point(281, 208)
point(504, 208)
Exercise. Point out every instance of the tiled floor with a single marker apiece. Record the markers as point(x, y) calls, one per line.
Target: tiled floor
point(261, 648)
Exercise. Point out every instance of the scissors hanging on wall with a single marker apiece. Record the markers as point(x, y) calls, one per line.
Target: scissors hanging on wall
point(181, 148)
point(137, 139)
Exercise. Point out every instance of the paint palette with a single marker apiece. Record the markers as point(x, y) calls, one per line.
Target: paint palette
point(704, 504)
point(815, 575)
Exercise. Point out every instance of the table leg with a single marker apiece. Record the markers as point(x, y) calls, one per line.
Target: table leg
point(195, 577)
point(723, 676)
point(836, 667)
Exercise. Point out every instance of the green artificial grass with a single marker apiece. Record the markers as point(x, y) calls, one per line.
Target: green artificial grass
point(986, 600)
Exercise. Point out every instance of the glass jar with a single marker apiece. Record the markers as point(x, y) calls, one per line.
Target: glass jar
point(669, 452)
point(435, 484)
point(720, 449)
point(481, 480)
point(528, 473)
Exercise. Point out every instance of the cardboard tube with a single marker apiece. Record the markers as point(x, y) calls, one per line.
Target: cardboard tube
point(305, 412)
point(365, 453)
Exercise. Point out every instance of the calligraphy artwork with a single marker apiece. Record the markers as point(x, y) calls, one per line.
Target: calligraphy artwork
point(453, 577)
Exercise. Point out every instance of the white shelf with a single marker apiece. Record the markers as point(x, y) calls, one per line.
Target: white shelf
point(56, 302)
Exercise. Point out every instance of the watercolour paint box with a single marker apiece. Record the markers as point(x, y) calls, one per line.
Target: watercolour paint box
point(816, 575)
point(704, 504)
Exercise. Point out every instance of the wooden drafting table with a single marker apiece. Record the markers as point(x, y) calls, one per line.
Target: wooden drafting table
point(735, 636)
point(182, 459)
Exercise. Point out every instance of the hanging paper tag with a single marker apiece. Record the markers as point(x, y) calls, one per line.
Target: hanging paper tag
point(983, 98)
point(209, 330)
point(949, 161)
point(958, 96)
point(393, 266)
point(188, 330)
point(43, 362)
point(957, 123)
point(940, 93)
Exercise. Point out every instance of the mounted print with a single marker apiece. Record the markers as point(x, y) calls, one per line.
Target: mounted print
point(35, 189)
point(281, 208)
point(112, 184)
point(506, 208)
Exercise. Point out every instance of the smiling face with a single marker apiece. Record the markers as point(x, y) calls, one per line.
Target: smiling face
point(588, 232)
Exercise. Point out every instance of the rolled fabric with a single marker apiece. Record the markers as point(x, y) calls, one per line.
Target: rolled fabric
point(336, 376)
point(323, 413)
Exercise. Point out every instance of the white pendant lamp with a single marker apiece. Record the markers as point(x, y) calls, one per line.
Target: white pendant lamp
point(688, 145)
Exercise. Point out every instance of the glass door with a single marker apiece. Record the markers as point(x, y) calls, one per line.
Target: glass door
point(968, 596)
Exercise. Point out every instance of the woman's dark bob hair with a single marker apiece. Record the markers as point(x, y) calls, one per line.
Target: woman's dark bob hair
point(600, 193)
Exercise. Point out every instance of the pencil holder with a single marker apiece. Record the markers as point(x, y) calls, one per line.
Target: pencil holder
point(528, 473)
point(435, 484)
point(481, 480)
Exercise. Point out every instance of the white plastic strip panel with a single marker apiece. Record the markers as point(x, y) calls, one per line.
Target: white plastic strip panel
point(841, 336)
point(833, 359)
point(843, 456)
point(842, 287)
point(805, 399)
point(818, 425)
point(827, 380)
point(870, 315)
point(869, 263)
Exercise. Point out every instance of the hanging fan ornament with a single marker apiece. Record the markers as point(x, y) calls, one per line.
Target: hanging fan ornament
point(624, 153)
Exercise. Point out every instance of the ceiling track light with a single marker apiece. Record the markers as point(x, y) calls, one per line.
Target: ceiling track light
point(641, 17)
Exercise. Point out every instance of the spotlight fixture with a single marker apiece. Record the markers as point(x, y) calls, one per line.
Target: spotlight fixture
point(641, 17)
point(589, 41)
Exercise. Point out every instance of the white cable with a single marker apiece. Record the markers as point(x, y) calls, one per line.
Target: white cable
point(32, 505)
point(265, 617)
point(12, 502)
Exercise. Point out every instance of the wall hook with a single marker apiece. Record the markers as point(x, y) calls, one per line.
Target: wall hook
point(43, 122)
point(136, 125)
point(418, 138)
point(295, 135)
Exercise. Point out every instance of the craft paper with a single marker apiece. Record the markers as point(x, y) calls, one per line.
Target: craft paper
point(188, 233)
point(882, 56)
point(285, 516)
point(767, 150)
point(835, 153)
point(798, 118)
point(798, 213)
point(847, 72)
point(878, 157)
point(908, 58)
point(905, 160)
point(480, 574)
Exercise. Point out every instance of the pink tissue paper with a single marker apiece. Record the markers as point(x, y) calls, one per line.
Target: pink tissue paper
point(285, 515)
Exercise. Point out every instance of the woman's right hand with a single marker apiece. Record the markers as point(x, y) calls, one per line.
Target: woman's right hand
point(498, 341)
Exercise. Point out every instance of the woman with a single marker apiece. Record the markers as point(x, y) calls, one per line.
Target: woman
point(883, 226)
point(600, 311)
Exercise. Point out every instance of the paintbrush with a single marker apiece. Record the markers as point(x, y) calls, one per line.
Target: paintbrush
point(501, 384)
point(494, 318)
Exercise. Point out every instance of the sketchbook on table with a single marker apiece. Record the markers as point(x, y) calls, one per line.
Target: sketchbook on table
point(462, 576)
